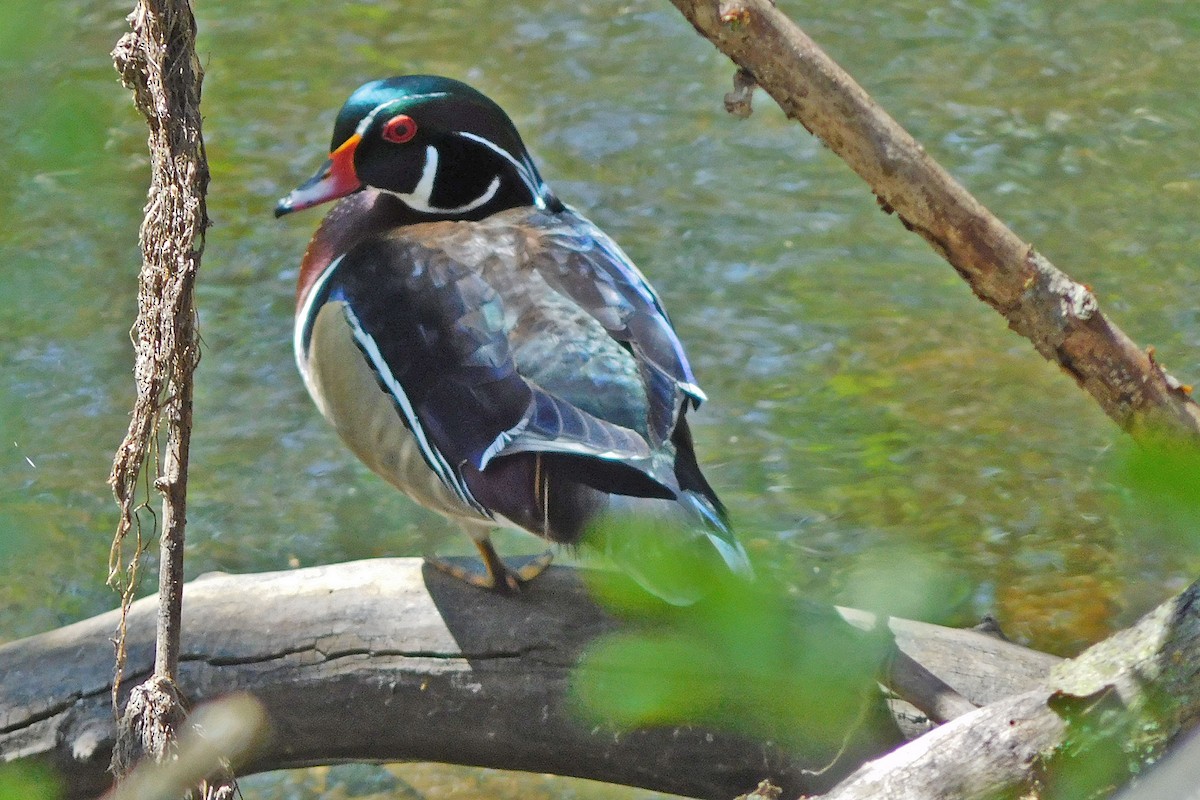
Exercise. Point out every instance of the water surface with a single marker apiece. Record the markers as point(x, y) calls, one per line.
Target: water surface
point(880, 436)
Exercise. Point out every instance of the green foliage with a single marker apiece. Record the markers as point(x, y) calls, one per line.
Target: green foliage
point(1165, 479)
point(1105, 745)
point(746, 658)
point(22, 782)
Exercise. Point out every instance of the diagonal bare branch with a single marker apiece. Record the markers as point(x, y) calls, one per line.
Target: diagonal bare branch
point(1059, 316)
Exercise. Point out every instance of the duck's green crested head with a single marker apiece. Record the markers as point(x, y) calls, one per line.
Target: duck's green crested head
point(443, 148)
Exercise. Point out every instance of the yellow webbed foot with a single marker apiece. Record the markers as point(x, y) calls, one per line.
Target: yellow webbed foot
point(495, 575)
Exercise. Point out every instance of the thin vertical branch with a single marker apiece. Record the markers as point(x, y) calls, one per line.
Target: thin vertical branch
point(157, 62)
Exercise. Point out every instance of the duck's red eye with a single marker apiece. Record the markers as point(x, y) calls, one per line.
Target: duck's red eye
point(400, 129)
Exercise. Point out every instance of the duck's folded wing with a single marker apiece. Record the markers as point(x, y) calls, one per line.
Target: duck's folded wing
point(433, 332)
point(582, 262)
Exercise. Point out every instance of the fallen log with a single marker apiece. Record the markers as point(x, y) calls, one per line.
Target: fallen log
point(1150, 673)
point(387, 660)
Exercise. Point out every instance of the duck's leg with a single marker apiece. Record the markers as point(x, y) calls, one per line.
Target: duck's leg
point(496, 575)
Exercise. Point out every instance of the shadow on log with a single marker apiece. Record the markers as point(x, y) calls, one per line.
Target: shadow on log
point(387, 660)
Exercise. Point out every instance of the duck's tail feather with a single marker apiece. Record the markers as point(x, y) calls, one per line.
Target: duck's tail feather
point(718, 531)
point(675, 549)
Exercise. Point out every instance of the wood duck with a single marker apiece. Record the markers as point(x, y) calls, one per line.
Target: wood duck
point(485, 348)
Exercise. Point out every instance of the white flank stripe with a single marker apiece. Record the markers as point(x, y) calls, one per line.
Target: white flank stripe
point(305, 320)
point(433, 458)
point(502, 441)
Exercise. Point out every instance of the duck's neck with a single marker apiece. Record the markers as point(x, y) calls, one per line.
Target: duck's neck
point(367, 213)
point(353, 219)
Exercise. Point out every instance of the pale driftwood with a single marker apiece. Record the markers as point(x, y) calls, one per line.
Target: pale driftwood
point(1060, 316)
point(387, 660)
point(995, 751)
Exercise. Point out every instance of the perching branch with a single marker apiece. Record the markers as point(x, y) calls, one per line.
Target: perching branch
point(1061, 317)
point(389, 660)
point(157, 62)
point(427, 668)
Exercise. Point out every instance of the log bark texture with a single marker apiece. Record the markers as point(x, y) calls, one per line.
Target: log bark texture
point(1150, 671)
point(386, 660)
point(1058, 315)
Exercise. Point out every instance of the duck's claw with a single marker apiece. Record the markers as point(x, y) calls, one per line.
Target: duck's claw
point(493, 574)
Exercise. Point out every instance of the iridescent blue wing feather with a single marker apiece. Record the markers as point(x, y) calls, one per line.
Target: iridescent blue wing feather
point(580, 261)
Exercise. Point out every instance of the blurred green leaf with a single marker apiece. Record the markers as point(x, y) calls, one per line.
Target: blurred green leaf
point(1165, 479)
point(906, 582)
point(1106, 743)
point(633, 691)
point(21, 782)
point(1167, 474)
point(746, 658)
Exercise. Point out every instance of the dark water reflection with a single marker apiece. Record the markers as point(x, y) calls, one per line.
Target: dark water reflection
point(877, 432)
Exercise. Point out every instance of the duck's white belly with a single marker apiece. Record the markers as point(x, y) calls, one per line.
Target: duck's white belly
point(348, 393)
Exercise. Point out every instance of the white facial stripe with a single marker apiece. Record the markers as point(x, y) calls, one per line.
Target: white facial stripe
point(526, 174)
point(484, 198)
point(419, 198)
point(361, 130)
point(424, 189)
